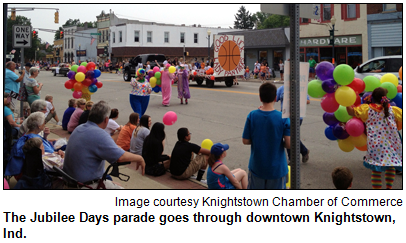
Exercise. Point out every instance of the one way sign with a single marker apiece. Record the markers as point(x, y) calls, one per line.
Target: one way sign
point(22, 36)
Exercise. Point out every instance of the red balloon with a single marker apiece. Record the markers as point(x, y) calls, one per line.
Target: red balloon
point(357, 101)
point(358, 85)
point(78, 86)
point(328, 103)
point(69, 84)
point(399, 88)
point(87, 82)
point(90, 66)
point(99, 84)
point(212, 78)
point(194, 73)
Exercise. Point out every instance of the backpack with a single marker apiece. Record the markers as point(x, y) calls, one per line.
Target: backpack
point(22, 93)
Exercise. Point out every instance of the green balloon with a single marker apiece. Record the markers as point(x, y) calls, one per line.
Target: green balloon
point(157, 75)
point(371, 83)
point(83, 64)
point(314, 89)
point(74, 68)
point(343, 74)
point(392, 90)
point(158, 81)
point(72, 89)
point(341, 114)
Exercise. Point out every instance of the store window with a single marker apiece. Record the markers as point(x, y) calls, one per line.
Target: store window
point(390, 51)
point(326, 54)
point(149, 36)
point(136, 36)
point(277, 56)
point(312, 52)
point(354, 55)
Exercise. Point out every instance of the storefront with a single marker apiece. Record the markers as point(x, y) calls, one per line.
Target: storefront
point(347, 49)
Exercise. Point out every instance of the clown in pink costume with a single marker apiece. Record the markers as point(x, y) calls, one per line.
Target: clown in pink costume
point(166, 86)
point(183, 84)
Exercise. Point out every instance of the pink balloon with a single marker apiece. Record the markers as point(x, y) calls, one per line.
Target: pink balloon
point(155, 69)
point(355, 127)
point(6, 186)
point(170, 118)
point(77, 94)
point(329, 103)
point(81, 69)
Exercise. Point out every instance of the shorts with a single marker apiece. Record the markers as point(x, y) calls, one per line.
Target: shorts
point(194, 166)
point(263, 74)
point(281, 71)
point(50, 116)
point(311, 70)
point(269, 184)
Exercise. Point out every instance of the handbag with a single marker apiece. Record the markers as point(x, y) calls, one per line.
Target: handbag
point(22, 93)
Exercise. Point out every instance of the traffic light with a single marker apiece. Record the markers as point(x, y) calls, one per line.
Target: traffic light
point(34, 34)
point(56, 17)
point(13, 14)
point(61, 35)
point(331, 37)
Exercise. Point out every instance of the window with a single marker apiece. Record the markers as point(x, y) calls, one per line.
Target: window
point(326, 12)
point(102, 36)
point(99, 36)
point(182, 37)
point(389, 7)
point(71, 42)
point(166, 37)
point(374, 65)
point(66, 41)
point(136, 36)
point(114, 37)
point(304, 21)
point(195, 38)
point(350, 12)
point(149, 36)
point(120, 36)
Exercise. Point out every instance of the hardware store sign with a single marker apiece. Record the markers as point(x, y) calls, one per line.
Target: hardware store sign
point(338, 41)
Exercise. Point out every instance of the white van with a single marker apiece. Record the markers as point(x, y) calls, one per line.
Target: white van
point(381, 66)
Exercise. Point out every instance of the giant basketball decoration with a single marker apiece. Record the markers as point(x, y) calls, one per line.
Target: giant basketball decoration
point(229, 55)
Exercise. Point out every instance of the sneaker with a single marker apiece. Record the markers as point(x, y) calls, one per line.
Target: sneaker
point(203, 181)
point(399, 172)
point(305, 158)
point(59, 123)
point(193, 177)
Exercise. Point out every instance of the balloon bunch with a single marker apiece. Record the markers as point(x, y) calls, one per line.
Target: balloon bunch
point(339, 89)
point(83, 80)
point(154, 77)
point(210, 71)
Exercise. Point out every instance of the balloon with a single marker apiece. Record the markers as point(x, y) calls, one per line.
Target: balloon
point(72, 89)
point(328, 103)
point(324, 70)
point(329, 86)
point(366, 95)
point(329, 133)
point(390, 78)
point(80, 77)
point(152, 82)
point(400, 73)
point(172, 69)
point(345, 96)
point(392, 90)
point(84, 64)
point(157, 75)
point(156, 89)
point(92, 88)
point(343, 74)
point(342, 114)
point(90, 66)
point(400, 88)
point(346, 145)
point(371, 83)
point(357, 101)
point(74, 68)
point(207, 143)
point(363, 148)
point(97, 73)
point(398, 100)
point(78, 86)
point(69, 84)
point(340, 132)
point(150, 73)
point(315, 90)
point(87, 82)
point(359, 141)
point(90, 74)
point(85, 90)
point(330, 119)
point(77, 94)
point(158, 82)
point(194, 73)
point(94, 81)
point(355, 127)
point(99, 84)
point(71, 75)
point(212, 78)
point(170, 118)
point(357, 85)
point(81, 69)
point(155, 69)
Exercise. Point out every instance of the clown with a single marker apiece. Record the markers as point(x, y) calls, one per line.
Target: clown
point(139, 96)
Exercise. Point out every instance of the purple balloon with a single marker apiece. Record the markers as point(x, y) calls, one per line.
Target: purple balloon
point(329, 86)
point(363, 101)
point(330, 119)
point(151, 73)
point(94, 81)
point(324, 70)
point(71, 75)
point(340, 132)
point(393, 103)
point(90, 74)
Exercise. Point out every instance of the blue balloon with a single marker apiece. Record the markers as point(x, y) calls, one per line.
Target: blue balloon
point(398, 100)
point(97, 73)
point(92, 88)
point(329, 133)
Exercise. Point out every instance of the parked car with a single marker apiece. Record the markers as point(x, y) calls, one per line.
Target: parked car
point(381, 66)
point(62, 69)
point(131, 67)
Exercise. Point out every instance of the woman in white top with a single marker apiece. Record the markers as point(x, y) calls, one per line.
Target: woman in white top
point(139, 135)
point(112, 127)
point(281, 68)
point(148, 67)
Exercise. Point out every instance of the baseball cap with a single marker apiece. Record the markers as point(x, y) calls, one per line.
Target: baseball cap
point(218, 148)
point(28, 64)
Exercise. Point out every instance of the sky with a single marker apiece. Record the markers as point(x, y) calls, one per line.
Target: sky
point(207, 15)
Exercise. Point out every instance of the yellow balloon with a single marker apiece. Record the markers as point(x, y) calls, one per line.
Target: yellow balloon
point(359, 141)
point(85, 90)
point(152, 82)
point(345, 96)
point(391, 78)
point(346, 145)
point(172, 69)
point(80, 77)
point(207, 143)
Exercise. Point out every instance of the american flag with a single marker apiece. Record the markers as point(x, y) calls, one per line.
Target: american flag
point(92, 40)
point(46, 45)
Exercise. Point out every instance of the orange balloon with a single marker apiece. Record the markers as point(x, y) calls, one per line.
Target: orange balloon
point(400, 73)
point(78, 86)
point(363, 148)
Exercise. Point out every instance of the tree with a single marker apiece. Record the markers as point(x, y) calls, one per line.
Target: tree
point(259, 18)
point(58, 34)
point(72, 22)
point(268, 21)
point(243, 19)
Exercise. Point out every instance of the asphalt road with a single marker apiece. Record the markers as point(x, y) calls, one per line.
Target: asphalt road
point(219, 114)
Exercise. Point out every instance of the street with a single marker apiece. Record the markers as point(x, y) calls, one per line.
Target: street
point(219, 114)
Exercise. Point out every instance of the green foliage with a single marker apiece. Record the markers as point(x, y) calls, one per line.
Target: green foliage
point(58, 34)
point(243, 19)
point(72, 22)
point(268, 21)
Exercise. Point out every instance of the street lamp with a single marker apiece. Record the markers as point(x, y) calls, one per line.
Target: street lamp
point(208, 49)
point(333, 22)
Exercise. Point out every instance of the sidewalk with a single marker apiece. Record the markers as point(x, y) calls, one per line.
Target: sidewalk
point(137, 181)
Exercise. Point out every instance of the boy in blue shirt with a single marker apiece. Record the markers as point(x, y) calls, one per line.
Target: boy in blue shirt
point(268, 134)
